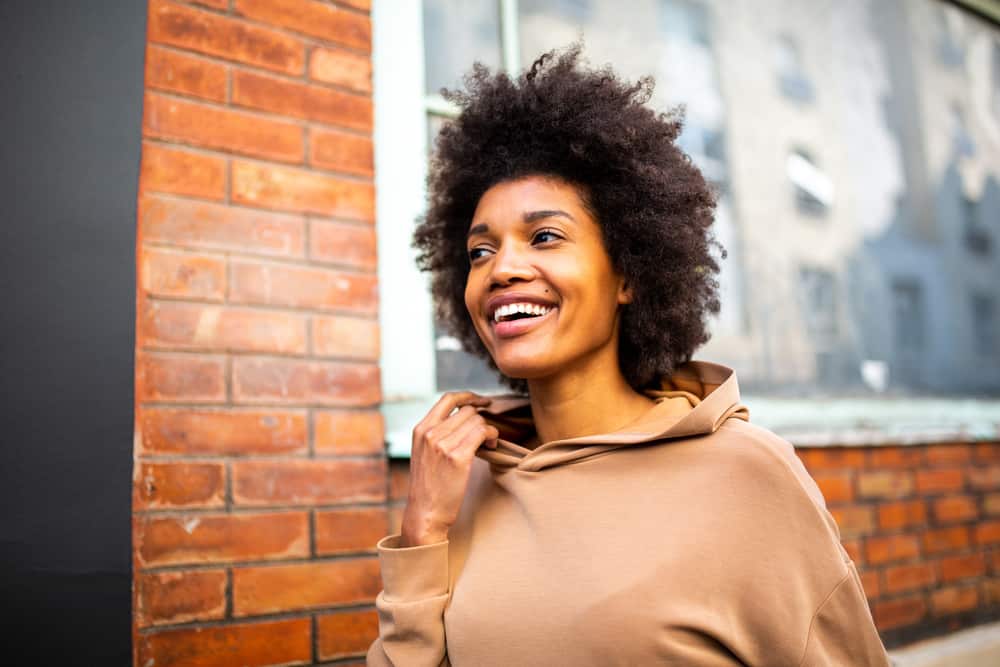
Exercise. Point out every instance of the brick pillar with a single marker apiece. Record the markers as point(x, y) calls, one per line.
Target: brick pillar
point(260, 480)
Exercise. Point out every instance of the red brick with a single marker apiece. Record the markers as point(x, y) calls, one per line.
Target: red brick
point(179, 597)
point(945, 539)
point(316, 19)
point(819, 458)
point(308, 482)
point(853, 520)
point(954, 599)
point(987, 532)
point(180, 73)
point(300, 100)
point(949, 453)
point(287, 642)
point(891, 614)
point(835, 486)
point(302, 287)
point(279, 588)
point(908, 577)
point(902, 514)
point(349, 432)
point(185, 431)
point(990, 590)
point(168, 485)
point(232, 39)
point(177, 377)
point(301, 191)
point(340, 151)
point(346, 633)
point(221, 129)
point(891, 548)
point(203, 225)
point(218, 538)
point(166, 324)
point(940, 481)
point(348, 244)
point(885, 484)
point(182, 173)
point(175, 274)
point(955, 508)
point(346, 337)
point(291, 381)
point(869, 582)
point(896, 457)
point(985, 478)
point(347, 530)
point(341, 68)
point(991, 504)
point(986, 452)
point(962, 567)
point(399, 480)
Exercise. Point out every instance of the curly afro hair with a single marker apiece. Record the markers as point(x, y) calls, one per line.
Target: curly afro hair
point(591, 129)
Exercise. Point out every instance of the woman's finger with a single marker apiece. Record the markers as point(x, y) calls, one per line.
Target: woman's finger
point(452, 400)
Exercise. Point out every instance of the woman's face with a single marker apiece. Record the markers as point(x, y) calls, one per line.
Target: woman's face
point(541, 290)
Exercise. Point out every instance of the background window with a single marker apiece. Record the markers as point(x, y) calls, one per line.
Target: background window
point(908, 315)
point(792, 80)
point(813, 189)
point(977, 237)
point(984, 323)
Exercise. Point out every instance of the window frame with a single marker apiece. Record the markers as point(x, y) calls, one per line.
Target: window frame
point(406, 310)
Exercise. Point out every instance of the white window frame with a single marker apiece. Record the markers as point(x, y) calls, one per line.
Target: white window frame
point(402, 109)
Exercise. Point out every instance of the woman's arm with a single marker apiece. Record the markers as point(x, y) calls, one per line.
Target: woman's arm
point(414, 562)
point(842, 631)
point(411, 605)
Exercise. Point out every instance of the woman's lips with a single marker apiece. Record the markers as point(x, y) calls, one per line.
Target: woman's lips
point(512, 328)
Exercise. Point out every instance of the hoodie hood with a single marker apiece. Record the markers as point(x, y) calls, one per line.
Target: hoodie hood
point(695, 400)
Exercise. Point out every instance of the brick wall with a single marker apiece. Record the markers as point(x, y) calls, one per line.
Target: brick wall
point(923, 524)
point(260, 478)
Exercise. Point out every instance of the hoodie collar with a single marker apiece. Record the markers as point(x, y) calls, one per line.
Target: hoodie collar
point(695, 400)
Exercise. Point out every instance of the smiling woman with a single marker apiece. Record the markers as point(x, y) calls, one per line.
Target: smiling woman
point(619, 507)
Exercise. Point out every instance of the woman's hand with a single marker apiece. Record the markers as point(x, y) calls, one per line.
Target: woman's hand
point(444, 443)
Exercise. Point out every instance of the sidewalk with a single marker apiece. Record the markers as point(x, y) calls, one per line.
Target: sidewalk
point(975, 647)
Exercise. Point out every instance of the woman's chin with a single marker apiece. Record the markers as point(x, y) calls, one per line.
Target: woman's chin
point(523, 369)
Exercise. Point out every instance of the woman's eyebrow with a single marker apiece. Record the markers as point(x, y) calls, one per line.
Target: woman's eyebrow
point(528, 217)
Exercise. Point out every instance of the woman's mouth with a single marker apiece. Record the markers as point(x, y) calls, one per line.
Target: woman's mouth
point(519, 318)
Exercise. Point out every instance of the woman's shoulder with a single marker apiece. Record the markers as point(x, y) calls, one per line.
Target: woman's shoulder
point(762, 452)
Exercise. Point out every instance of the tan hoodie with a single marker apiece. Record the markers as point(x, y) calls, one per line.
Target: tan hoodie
point(688, 537)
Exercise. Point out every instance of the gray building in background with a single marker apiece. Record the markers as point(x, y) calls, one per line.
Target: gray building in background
point(856, 147)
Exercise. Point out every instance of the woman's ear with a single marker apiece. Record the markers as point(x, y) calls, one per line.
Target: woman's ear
point(624, 292)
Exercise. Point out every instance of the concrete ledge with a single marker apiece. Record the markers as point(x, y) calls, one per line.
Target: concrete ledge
point(975, 647)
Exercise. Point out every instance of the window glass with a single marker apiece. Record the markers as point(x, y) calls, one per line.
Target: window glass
point(908, 311)
point(456, 34)
point(813, 188)
point(984, 323)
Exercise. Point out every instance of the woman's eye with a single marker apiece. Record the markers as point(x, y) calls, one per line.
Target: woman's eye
point(476, 253)
point(546, 236)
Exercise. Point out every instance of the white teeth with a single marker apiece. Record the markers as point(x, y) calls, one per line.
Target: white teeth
point(524, 308)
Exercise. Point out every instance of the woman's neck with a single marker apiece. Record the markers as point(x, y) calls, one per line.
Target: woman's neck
point(591, 398)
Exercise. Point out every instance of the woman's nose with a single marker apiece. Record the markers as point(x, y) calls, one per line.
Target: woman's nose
point(511, 263)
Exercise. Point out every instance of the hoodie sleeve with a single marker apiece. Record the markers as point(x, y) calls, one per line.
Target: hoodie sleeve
point(411, 605)
point(842, 631)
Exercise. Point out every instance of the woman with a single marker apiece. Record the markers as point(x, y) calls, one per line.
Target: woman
point(619, 508)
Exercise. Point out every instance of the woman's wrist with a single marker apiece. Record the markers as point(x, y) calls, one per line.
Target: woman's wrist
point(418, 531)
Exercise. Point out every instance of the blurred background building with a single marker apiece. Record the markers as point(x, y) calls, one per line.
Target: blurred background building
point(262, 162)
